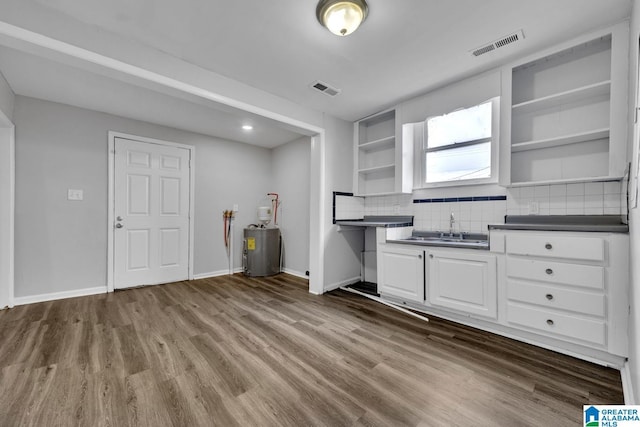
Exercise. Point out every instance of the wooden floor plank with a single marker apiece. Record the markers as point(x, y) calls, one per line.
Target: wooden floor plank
point(237, 351)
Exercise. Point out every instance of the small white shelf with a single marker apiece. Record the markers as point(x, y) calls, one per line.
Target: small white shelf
point(561, 140)
point(379, 144)
point(567, 97)
point(375, 169)
point(566, 181)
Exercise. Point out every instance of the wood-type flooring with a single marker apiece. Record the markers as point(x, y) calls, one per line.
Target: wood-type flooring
point(236, 351)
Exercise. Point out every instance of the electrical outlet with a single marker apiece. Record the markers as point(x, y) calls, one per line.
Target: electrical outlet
point(534, 208)
point(75, 194)
point(235, 208)
point(396, 209)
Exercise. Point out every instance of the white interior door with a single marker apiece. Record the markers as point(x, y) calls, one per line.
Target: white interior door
point(151, 210)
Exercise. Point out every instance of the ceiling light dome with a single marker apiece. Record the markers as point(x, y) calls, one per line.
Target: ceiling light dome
point(342, 17)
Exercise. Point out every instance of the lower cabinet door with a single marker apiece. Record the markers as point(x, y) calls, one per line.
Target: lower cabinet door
point(463, 281)
point(401, 273)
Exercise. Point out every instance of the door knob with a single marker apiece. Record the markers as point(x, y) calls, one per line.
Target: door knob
point(118, 225)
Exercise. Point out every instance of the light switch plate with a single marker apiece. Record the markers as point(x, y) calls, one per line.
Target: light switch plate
point(75, 194)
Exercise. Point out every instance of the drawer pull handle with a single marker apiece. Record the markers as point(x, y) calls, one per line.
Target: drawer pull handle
point(549, 297)
point(430, 255)
point(548, 271)
point(548, 246)
point(419, 256)
point(549, 322)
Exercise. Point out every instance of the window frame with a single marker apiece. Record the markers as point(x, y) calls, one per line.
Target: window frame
point(494, 139)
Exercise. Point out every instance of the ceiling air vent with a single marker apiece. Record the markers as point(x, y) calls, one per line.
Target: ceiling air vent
point(325, 88)
point(511, 38)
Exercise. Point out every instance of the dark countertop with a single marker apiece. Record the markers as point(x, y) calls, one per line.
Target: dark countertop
point(588, 223)
point(389, 221)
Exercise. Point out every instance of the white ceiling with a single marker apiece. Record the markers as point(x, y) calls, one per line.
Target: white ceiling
point(405, 48)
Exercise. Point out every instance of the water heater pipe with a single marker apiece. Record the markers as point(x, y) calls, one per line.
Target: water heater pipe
point(275, 202)
point(228, 236)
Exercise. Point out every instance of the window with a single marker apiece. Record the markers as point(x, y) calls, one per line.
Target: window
point(461, 146)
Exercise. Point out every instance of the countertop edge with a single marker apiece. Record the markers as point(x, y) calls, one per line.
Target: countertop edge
point(621, 228)
point(374, 224)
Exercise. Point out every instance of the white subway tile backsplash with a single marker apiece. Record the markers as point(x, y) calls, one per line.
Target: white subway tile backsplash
point(558, 211)
point(612, 187)
point(575, 189)
point(475, 216)
point(612, 201)
point(593, 188)
point(527, 193)
point(557, 191)
point(594, 201)
point(541, 192)
point(575, 202)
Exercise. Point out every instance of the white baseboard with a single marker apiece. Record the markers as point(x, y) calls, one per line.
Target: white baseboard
point(627, 385)
point(60, 295)
point(346, 282)
point(239, 270)
point(295, 273)
point(215, 273)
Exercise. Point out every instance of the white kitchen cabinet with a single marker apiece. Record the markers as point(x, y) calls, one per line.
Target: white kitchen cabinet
point(383, 159)
point(463, 280)
point(566, 112)
point(401, 272)
point(569, 286)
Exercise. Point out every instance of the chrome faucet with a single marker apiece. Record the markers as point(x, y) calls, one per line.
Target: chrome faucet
point(452, 221)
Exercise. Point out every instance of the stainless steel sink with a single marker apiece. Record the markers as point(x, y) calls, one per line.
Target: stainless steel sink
point(437, 238)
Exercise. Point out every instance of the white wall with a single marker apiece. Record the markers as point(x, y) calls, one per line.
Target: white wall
point(6, 192)
point(61, 245)
point(291, 180)
point(634, 215)
point(342, 245)
point(6, 98)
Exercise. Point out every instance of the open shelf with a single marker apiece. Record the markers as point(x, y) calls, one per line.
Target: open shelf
point(566, 97)
point(378, 144)
point(376, 169)
point(561, 140)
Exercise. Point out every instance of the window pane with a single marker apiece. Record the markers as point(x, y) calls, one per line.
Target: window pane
point(470, 162)
point(469, 124)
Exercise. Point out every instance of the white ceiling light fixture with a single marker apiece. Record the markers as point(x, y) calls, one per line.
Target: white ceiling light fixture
point(342, 17)
point(247, 127)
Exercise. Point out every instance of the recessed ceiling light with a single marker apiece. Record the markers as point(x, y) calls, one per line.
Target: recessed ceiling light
point(247, 127)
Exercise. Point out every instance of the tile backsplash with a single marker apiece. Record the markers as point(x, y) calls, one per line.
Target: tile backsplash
point(474, 214)
point(585, 198)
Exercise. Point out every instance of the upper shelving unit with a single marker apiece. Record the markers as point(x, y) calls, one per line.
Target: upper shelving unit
point(379, 160)
point(567, 112)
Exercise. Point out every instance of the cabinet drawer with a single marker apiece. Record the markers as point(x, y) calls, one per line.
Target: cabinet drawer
point(553, 297)
point(587, 276)
point(553, 323)
point(557, 246)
